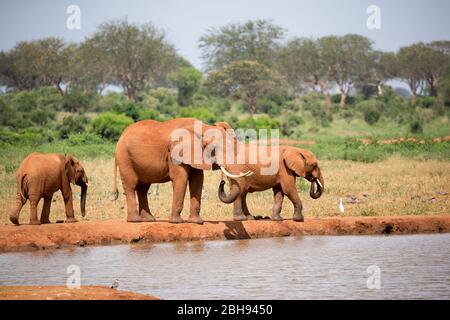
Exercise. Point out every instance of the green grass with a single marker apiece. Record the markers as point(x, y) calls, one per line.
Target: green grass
point(12, 156)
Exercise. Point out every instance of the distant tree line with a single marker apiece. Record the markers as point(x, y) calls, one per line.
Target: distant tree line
point(246, 61)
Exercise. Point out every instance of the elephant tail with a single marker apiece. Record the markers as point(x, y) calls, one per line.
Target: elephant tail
point(20, 186)
point(116, 190)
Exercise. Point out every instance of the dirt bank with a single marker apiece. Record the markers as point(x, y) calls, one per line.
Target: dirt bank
point(62, 293)
point(53, 236)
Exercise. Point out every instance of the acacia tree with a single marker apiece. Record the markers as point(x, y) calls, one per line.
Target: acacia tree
point(134, 56)
point(254, 40)
point(300, 61)
point(422, 65)
point(383, 67)
point(36, 63)
point(246, 80)
point(348, 59)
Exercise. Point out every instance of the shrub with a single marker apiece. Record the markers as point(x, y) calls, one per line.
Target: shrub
point(187, 80)
point(371, 116)
point(202, 114)
point(110, 125)
point(262, 122)
point(42, 117)
point(77, 101)
point(24, 101)
point(109, 101)
point(416, 127)
point(290, 123)
point(163, 100)
point(28, 137)
point(84, 138)
point(72, 124)
point(150, 114)
point(129, 109)
point(214, 104)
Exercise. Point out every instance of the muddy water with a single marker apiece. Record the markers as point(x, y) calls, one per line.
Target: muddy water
point(321, 267)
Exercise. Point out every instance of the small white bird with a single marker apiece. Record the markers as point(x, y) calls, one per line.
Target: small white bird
point(341, 206)
point(115, 284)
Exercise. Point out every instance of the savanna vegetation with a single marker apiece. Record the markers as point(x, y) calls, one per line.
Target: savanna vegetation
point(334, 95)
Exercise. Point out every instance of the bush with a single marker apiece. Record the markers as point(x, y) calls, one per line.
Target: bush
point(24, 101)
point(163, 100)
point(72, 124)
point(214, 104)
point(187, 80)
point(371, 116)
point(77, 101)
point(290, 123)
point(110, 125)
point(129, 109)
point(109, 101)
point(271, 104)
point(84, 138)
point(202, 114)
point(42, 117)
point(416, 127)
point(262, 122)
point(28, 137)
point(150, 114)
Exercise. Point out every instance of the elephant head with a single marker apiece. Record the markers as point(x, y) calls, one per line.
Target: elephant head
point(208, 147)
point(304, 164)
point(75, 174)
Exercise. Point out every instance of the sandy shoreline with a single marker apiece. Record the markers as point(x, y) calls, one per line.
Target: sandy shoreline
point(87, 233)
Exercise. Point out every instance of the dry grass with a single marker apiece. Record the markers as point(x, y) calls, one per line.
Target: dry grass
point(396, 186)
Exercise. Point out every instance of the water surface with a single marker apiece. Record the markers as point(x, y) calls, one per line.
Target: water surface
point(311, 267)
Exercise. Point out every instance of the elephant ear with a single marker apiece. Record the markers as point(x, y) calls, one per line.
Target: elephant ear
point(182, 151)
point(295, 161)
point(69, 168)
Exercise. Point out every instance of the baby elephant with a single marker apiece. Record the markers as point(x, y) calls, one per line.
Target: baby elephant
point(291, 163)
point(40, 176)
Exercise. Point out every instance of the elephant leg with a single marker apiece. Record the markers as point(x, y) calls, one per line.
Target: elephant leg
point(295, 199)
point(45, 214)
point(144, 210)
point(68, 203)
point(195, 191)
point(245, 207)
point(179, 185)
point(277, 203)
point(14, 216)
point(238, 212)
point(34, 201)
point(132, 206)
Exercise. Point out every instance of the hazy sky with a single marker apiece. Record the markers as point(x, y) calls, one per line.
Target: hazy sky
point(402, 22)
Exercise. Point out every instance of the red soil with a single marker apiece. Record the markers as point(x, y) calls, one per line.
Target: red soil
point(53, 236)
point(63, 293)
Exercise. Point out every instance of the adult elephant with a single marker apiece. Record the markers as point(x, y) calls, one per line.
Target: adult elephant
point(148, 152)
point(291, 163)
point(40, 176)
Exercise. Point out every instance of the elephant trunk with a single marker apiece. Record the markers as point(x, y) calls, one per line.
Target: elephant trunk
point(84, 187)
point(317, 184)
point(234, 192)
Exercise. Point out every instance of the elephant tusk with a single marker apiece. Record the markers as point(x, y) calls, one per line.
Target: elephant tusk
point(87, 184)
point(318, 182)
point(235, 176)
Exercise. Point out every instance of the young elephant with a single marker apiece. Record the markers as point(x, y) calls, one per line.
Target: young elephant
point(293, 162)
point(40, 176)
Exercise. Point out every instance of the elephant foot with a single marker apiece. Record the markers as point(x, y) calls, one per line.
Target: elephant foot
point(35, 222)
point(134, 218)
point(195, 219)
point(239, 217)
point(176, 219)
point(298, 217)
point(277, 218)
point(14, 219)
point(250, 217)
point(147, 217)
point(71, 220)
point(45, 221)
